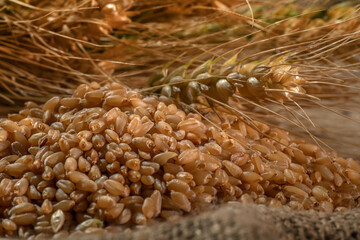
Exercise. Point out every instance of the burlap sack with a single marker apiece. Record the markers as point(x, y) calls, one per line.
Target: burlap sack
point(251, 222)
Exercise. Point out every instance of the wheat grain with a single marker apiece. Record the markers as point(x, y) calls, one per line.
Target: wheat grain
point(105, 165)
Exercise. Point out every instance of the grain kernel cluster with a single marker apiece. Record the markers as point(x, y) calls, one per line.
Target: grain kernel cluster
point(109, 157)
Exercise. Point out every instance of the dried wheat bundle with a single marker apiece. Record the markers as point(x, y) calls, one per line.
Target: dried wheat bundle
point(45, 45)
point(276, 75)
point(61, 44)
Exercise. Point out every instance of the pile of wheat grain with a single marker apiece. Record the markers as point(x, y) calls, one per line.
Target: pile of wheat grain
point(108, 156)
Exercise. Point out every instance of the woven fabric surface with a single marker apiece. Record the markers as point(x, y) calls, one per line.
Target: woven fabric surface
point(251, 222)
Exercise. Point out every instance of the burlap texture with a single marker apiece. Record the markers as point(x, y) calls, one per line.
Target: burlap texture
point(251, 222)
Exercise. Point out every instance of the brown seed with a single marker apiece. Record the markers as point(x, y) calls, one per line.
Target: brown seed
point(261, 148)
point(221, 176)
point(143, 143)
point(325, 172)
point(90, 223)
point(191, 125)
point(53, 135)
point(326, 206)
point(43, 184)
point(173, 168)
point(148, 208)
point(97, 125)
point(24, 218)
point(110, 157)
point(232, 168)
point(84, 165)
point(105, 202)
point(178, 186)
point(48, 174)
point(16, 169)
point(134, 176)
point(136, 125)
point(98, 141)
point(133, 164)
point(33, 193)
point(70, 164)
point(84, 145)
point(188, 156)
point(157, 200)
point(76, 176)
point(21, 187)
point(54, 158)
point(202, 177)
point(86, 185)
point(115, 101)
point(251, 177)
point(181, 201)
point(57, 220)
point(115, 188)
point(70, 102)
point(75, 153)
point(9, 225)
point(111, 136)
point(164, 128)
point(100, 181)
point(289, 176)
point(20, 199)
point(59, 171)
point(66, 185)
point(6, 187)
point(125, 216)
point(147, 180)
point(9, 126)
point(308, 149)
point(147, 170)
point(4, 145)
point(320, 193)
point(78, 195)
point(18, 148)
point(168, 177)
point(10, 158)
point(353, 176)
point(338, 180)
point(94, 173)
point(35, 179)
point(3, 164)
point(64, 205)
point(179, 135)
point(26, 159)
point(213, 148)
point(239, 158)
point(300, 157)
point(51, 104)
point(116, 210)
point(49, 193)
point(145, 167)
point(353, 164)
point(3, 135)
point(112, 114)
point(162, 158)
point(139, 218)
point(296, 190)
point(135, 188)
point(185, 176)
point(46, 207)
point(22, 208)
